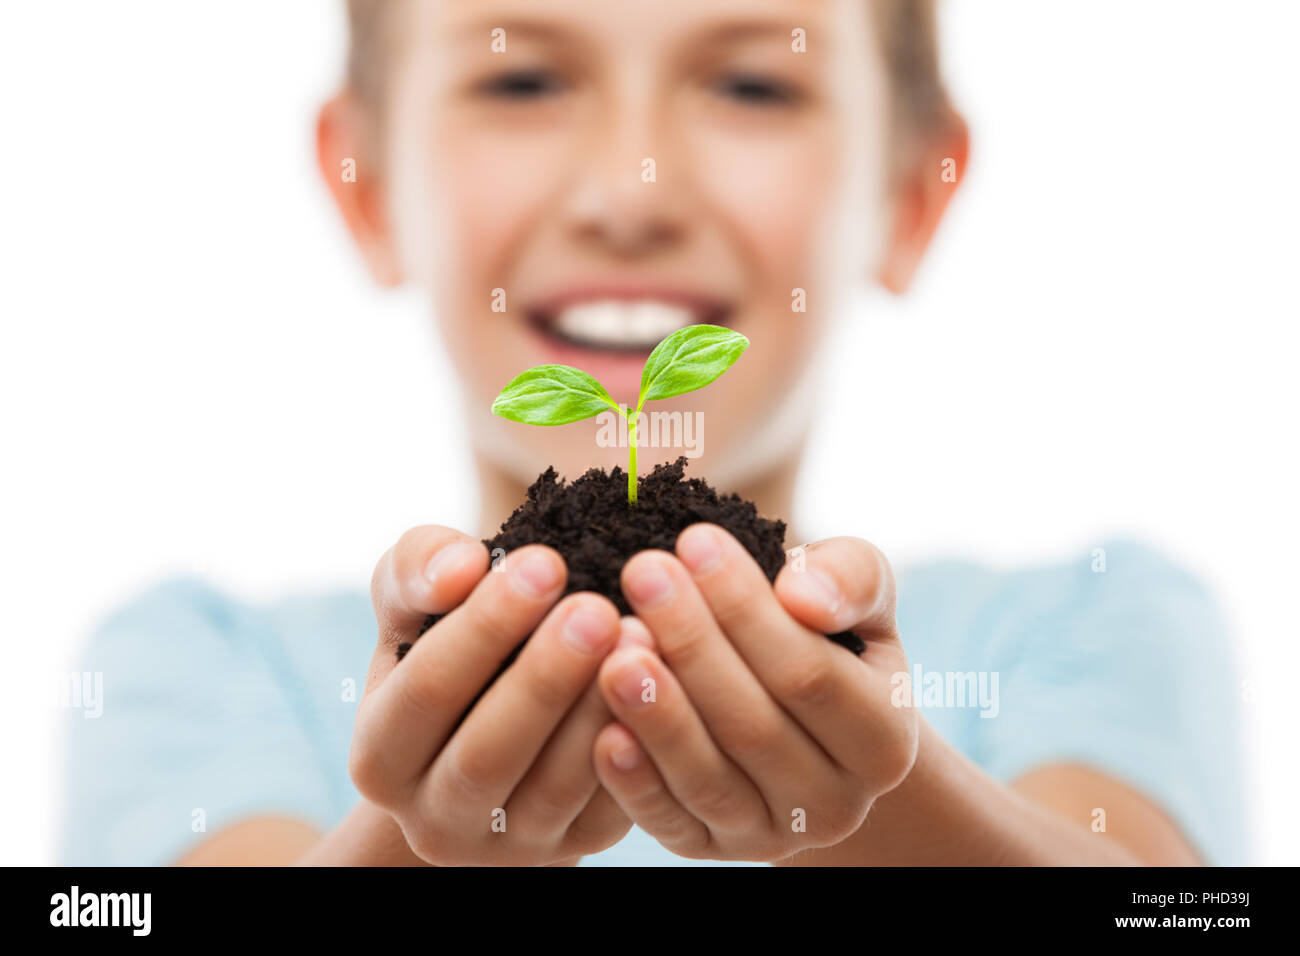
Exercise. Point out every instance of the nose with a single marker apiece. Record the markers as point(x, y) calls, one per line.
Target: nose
point(629, 193)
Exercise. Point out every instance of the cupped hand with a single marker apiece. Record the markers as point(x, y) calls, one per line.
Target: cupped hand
point(749, 735)
point(511, 781)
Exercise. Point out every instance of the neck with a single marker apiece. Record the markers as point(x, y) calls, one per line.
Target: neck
point(772, 493)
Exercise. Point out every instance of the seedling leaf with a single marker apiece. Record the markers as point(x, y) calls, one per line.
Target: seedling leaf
point(689, 359)
point(552, 395)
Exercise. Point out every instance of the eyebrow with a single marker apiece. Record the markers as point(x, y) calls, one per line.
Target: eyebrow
point(736, 30)
point(536, 29)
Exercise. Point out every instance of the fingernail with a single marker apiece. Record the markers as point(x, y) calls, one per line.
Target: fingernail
point(648, 584)
point(630, 683)
point(587, 630)
point(625, 758)
point(820, 588)
point(699, 549)
point(633, 633)
point(446, 559)
point(536, 576)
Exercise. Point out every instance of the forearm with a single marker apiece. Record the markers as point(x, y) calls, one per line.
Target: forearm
point(949, 812)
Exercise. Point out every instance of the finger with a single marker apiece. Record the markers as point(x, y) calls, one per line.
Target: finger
point(826, 690)
point(561, 781)
point(633, 632)
point(566, 761)
point(647, 699)
point(847, 584)
point(627, 774)
point(600, 825)
point(408, 717)
point(430, 570)
point(841, 584)
point(738, 711)
point(490, 753)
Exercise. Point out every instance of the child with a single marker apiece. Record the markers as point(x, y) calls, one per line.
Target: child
point(613, 172)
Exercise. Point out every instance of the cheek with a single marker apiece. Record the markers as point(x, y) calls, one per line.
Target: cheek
point(778, 198)
point(774, 194)
point(488, 191)
point(462, 199)
point(464, 203)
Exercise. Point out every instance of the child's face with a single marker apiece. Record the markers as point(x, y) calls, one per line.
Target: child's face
point(525, 170)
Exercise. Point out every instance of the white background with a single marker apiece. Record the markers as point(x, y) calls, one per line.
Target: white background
point(196, 375)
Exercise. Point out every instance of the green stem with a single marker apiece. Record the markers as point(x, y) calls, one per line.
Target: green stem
point(631, 459)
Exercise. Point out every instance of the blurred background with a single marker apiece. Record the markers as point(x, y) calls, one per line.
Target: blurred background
point(196, 376)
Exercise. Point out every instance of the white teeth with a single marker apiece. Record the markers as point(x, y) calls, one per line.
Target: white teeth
point(616, 324)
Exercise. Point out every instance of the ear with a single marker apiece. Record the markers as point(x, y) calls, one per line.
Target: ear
point(344, 141)
point(921, 199)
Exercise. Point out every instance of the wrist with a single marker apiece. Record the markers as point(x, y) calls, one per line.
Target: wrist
point(911, 822)
point(949, 812)
point(367, 836)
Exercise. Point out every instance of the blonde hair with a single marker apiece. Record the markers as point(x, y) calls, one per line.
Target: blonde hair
point(918, 100)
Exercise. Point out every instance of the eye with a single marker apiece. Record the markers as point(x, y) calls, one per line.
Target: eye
point(757, 90)
point(522, 85)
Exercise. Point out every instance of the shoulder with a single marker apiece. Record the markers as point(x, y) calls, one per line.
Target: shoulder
point(189, 644)
point(1130, 560)
point(176, 598)
point(174, 629)
point(183, 613)
point(1122, 584)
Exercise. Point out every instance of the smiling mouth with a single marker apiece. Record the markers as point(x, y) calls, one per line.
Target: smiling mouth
point(618, 325)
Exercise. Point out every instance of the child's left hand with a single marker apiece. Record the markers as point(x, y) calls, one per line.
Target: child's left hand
point(754, 736)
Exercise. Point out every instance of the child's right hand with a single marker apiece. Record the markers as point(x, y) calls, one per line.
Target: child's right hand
point(514, 783)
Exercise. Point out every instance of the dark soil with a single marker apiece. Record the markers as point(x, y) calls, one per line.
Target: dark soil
point(590, 524)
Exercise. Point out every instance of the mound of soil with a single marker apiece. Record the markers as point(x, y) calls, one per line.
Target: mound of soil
point(590, 524)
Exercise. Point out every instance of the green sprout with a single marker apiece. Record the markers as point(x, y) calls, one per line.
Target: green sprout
point(689, 359)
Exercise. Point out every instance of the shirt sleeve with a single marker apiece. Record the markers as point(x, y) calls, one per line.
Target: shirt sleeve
point(194, 729)
point(1121, 661)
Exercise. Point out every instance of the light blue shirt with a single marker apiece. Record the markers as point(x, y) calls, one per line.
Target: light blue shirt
point(214, 710)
